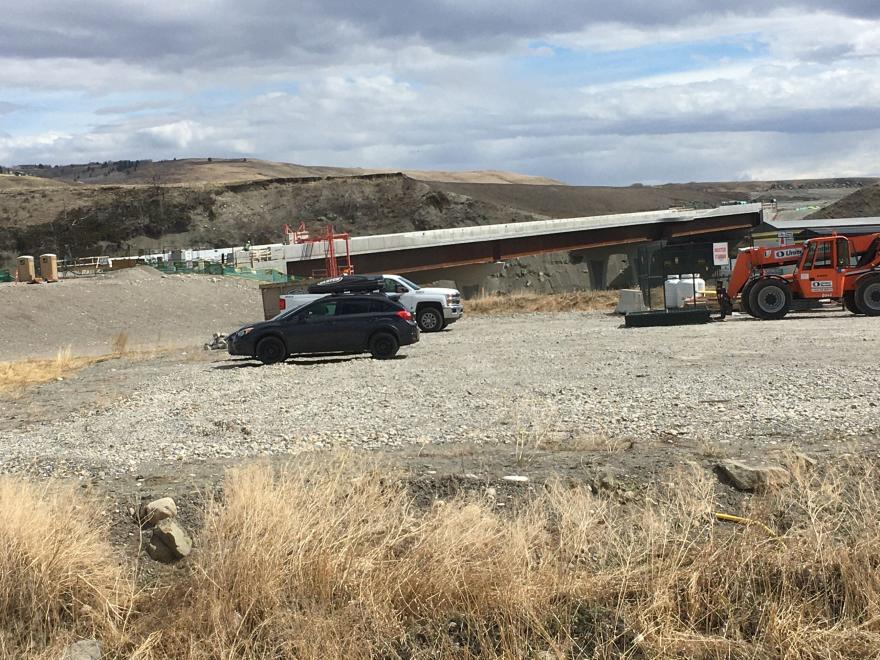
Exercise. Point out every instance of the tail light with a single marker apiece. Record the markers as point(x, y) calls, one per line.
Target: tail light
point(282, 304)
point(405, 315)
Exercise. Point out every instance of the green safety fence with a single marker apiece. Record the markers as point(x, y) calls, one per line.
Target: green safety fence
point(211, 268)
point(6, 276)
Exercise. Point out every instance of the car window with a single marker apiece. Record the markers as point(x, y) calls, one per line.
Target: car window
point(322, 309)
point(347, 307)
point(379, 306)
point(390, 285)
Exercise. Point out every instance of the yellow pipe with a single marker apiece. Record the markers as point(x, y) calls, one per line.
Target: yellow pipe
point(729, 517)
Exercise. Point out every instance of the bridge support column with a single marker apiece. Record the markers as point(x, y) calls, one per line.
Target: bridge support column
point(598, 272)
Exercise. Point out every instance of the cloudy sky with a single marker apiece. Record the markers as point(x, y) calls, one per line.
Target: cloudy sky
point(586, 91)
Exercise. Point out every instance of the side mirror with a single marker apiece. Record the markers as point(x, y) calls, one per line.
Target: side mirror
point(400, 289)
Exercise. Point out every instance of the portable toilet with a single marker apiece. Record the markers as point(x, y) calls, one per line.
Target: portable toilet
point(49, 267)
point(26, 272)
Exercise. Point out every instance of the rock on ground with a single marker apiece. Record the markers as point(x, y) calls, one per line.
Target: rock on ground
point(85, 649)
point(174, 536)
point(158, 510)
point(752, 478)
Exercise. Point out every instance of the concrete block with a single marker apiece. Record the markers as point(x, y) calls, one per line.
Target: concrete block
point(630, 300)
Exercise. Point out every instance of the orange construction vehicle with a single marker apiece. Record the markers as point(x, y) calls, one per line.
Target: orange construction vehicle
point(836, 267)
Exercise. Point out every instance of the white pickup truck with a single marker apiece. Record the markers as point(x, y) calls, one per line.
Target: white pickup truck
point(433, 308)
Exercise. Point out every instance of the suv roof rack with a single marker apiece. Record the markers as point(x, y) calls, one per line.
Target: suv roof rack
point(349, 284)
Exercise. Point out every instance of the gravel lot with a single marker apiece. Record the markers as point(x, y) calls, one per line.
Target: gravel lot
point(575, 382)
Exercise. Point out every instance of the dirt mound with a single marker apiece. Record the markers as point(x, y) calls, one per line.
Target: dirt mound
point(154, 310)
point(863, 203)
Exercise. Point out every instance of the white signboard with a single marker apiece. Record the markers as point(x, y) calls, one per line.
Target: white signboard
point(719, 254)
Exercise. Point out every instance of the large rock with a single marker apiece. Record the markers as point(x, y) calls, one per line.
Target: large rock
point(158, 510)
point(160, 552)
point(174, 536)
point(85, 649)
point(752, 478)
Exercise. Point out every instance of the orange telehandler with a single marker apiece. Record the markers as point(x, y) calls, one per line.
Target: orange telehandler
point(838, 267)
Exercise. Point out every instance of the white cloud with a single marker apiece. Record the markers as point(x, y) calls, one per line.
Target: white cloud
point(333, 83)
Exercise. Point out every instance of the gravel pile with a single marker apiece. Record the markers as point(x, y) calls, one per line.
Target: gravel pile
point(154, 310)
point(808, 382)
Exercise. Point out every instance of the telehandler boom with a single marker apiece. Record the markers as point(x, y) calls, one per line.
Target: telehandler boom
point(837, 267)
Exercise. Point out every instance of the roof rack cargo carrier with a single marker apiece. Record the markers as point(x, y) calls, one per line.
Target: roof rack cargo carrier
point(349, 284)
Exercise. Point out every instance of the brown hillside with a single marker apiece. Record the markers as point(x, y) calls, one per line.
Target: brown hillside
point(222, 170)
point(12, 182)
point(860, 204)
point(84, 220)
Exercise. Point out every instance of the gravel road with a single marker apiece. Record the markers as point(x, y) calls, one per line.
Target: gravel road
point(742, 387)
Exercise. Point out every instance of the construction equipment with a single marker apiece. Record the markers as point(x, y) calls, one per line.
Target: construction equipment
point(829, 267)
point(332, 267)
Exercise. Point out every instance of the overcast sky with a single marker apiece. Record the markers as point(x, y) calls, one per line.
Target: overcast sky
point(586, 91)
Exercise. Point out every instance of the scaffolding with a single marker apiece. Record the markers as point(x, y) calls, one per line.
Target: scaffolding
point(329, 237)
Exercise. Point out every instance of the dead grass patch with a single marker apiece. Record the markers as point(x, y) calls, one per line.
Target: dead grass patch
point(59, 577)
point(575, 301)
point(21, 374)
point(330, 559)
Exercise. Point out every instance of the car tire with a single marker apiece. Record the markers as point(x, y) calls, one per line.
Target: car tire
point(849, 301)
point(430, 319)
point(867, 297)
point(384, 346)
point(770, 299)
point(271, 350)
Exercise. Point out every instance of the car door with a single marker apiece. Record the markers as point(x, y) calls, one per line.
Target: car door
point(354, 321)
point(312, 329)
point(400, 292)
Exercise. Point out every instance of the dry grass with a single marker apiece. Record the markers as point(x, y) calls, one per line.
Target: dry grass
point(575, 301)
point(21, 374)
point(59, 577)
point(17, 376)
point(327, 560)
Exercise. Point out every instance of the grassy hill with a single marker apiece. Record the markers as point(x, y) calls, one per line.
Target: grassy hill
point(224, 170)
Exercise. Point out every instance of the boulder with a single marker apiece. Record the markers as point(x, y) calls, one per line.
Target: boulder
point(160, 552)
point(84, 649)
point(174, 536)
point(752, 478)
point(158, 510)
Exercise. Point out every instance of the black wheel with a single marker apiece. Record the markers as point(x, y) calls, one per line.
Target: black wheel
point(430, 319)
point(867, 296)
point(744, 299)
point(271, 350)
point(770, 299)
point(849, 301)
point(383, 346)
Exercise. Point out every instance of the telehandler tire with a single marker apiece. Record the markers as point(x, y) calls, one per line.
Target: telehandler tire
point(867, 296)
point(744, 300)
point(770, 299)
point(849, 301)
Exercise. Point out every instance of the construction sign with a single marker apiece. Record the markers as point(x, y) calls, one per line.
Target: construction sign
point(720, 257)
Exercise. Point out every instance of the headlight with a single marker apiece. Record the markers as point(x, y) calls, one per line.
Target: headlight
point(243, 332)
point(449, 298)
